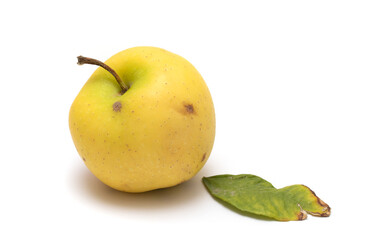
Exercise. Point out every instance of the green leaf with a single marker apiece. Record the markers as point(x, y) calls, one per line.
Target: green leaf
point(252, 194)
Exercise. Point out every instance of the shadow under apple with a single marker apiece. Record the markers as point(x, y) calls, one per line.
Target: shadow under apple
point(91, 187)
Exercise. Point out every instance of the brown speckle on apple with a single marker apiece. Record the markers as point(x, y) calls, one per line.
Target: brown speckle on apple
point(117, 106)
point(189, 108)
point(203, 157)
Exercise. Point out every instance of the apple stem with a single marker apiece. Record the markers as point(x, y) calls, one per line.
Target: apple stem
point(85, 60)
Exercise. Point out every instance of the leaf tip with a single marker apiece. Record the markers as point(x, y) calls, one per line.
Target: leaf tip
point(326, 209)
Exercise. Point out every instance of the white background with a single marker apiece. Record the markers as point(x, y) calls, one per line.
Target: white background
point(288, 80)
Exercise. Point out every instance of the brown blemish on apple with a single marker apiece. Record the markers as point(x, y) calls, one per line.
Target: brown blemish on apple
point(189, 108)
point(203, 157)
point(117, 106)
point(84, 159)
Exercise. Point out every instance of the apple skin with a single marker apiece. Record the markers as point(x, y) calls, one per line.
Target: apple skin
point(158, 134)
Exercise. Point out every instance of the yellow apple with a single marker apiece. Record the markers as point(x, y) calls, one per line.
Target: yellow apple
point(144, 120)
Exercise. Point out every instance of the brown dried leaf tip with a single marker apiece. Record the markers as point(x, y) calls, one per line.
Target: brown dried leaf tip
point(326, 209)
